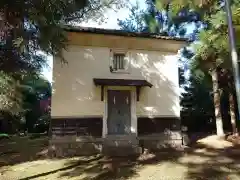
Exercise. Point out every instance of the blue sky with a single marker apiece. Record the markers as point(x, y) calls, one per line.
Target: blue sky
point(109, 23)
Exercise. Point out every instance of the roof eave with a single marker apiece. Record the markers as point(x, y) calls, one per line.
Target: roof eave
point(122, 33)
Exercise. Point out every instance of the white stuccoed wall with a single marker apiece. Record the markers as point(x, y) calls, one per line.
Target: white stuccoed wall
point(75, 95)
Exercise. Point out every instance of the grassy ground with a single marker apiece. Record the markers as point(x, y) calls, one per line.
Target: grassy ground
point(210, 158)
point(21, 149)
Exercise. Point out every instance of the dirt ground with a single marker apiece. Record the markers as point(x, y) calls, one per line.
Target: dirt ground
point(209, 158)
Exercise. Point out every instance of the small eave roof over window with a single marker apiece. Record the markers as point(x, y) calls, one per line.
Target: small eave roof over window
point(138, 83)
point(121, 82)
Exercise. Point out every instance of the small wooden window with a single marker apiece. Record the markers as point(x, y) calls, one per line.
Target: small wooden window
point(119, 61)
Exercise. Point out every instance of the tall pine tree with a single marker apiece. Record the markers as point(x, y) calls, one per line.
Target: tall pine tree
point(212, 53)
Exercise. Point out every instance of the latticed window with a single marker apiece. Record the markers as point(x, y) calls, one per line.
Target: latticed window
point(119, 61)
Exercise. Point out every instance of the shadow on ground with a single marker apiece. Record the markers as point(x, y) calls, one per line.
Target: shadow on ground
point(22, 149)
point(209, 158)
point(200, 161)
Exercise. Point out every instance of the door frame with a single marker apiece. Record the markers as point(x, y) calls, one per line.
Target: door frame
point(133, 116)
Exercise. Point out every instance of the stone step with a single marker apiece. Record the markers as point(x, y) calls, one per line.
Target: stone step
point(120, 145)
point(121, 150)
point(117, 140)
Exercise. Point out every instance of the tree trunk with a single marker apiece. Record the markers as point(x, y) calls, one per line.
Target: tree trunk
point(232, 113)
point(216, 98)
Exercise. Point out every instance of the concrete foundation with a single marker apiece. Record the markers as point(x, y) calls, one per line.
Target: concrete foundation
point(83, 136)
point(156, 142)
point(114, 145)
point(75, 146)
point(125, 145)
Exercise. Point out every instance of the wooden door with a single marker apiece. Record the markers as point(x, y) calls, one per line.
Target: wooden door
point(119, 112)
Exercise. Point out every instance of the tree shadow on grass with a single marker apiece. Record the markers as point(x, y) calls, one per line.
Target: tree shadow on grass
point(197, 162)
point(81, 165)
point(200, 161)
point(205, 162)
point(121, 167)
point(22, 149)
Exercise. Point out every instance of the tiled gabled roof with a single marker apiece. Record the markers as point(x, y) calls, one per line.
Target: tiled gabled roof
point(120, 33)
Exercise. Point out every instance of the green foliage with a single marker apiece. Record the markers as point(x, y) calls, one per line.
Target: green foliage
point(197, 98)
point(212, 50)
point(197, 105)
point(182, 79)
point(170, 16)
point(35, 90)
point(2, 135)
point(135, 22)
point(28, 27)
point(10, 98)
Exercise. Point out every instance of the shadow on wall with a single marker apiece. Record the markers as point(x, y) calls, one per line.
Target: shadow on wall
point(161, 99)
point(160, 70)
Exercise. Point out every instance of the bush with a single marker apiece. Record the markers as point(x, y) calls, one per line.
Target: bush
point(4, 136)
